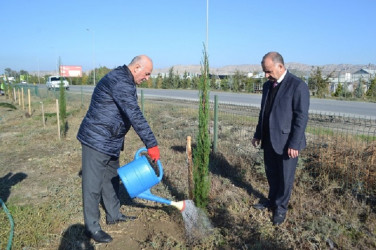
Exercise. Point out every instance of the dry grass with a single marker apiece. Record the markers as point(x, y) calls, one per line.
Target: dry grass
point(39, 182)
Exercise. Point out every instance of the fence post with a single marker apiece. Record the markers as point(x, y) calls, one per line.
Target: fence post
point(215, 141)
point(142, 101)
point(36, 91)
point(190, 168)
point(19, 97)
point(29, 100)
point(14, 94)
point(58, 118)
point(22, 98)
point(82, 97)
point(44, 121)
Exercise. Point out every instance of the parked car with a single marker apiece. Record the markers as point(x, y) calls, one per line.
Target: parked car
point(53, 82)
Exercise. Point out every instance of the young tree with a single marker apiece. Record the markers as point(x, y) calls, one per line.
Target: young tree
point(194, 82)
point(339, 91)
point(225, 84)
point(159, 81)
point(62, 106)
point(202, 151)
point(345, 91)
point(317, 84)
point(359, 91)
point(170, 79)
point(177, 82)
point(213, 82)
point(249, 84)
point(84, 79)
point(238, 81)
point(186, 81)
point(371, 92)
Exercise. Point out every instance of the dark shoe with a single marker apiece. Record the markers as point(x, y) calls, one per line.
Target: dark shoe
point(262, 206)
point(278, 218)
point(101, 236)
point(122, 218)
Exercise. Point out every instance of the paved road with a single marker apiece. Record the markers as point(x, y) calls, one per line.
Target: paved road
point(324, 106)
point(348, 108)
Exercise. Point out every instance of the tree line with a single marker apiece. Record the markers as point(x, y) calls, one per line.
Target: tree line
point(318, 84)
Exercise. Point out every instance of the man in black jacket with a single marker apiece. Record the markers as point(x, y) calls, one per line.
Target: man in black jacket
point(113, 110)
point(282, 121)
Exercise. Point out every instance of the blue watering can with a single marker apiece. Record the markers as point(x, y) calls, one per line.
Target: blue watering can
point(139, 177)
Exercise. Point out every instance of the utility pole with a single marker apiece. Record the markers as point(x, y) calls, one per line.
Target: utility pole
point(93, 44)
point(207, 25)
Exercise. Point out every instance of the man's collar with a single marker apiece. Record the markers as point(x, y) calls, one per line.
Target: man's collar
point(280, 79)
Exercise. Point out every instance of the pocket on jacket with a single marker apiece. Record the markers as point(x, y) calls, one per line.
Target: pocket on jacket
point(286, 131)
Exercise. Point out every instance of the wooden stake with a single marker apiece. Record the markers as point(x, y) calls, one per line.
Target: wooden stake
point(190, 168)
point(44, 121)
point(23, 100)
point(29, 99)
point(58, 118)
point(19, 97)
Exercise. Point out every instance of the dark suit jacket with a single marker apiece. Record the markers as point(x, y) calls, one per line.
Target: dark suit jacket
point(288, 115)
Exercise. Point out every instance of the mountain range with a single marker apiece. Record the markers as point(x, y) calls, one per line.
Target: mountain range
point(296, 68)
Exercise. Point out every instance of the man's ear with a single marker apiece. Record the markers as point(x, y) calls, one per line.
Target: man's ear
point(137, 68)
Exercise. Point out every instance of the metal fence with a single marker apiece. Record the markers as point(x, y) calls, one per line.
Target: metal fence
point(341, 150)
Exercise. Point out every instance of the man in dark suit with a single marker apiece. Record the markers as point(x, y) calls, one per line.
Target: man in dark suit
point(282, 121)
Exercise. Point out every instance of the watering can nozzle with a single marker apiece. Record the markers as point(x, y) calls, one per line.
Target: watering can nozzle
point(179, 205)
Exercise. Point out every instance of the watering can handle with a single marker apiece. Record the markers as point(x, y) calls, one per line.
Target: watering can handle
point(160, 168)
point(138, 153)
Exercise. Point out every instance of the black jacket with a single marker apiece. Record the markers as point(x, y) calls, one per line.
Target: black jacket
point(113, 110)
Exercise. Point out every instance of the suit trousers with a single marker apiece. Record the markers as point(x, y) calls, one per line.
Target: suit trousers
point(100, 182)
point(280, 172)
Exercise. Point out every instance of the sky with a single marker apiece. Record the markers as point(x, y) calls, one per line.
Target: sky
point(36, 34)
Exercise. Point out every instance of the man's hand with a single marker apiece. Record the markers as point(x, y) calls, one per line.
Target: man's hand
point(292, 153)
point(255, 142)
point(154, 153)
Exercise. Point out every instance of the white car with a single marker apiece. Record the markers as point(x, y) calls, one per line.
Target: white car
point(53, 82)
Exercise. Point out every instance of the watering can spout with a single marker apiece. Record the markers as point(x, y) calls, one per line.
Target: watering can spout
point(179, 205)
point(147, 195)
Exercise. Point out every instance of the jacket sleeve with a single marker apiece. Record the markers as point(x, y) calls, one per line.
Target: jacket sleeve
point(258, 132)
point(300, 107)
point(125, 97)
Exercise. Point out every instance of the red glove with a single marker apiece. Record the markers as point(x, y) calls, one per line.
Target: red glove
point(154, 153)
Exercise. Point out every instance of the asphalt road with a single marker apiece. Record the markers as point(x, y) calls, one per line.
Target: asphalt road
point(323, 106)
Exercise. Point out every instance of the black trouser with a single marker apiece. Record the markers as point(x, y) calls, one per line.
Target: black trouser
point(99, 180)
point(280, 172)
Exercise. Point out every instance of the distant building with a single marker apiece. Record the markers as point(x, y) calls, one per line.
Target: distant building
point(364, 74)
point(259, 75)
point(350, 81)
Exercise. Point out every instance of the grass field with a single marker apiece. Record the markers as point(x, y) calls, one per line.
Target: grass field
point(40, 186)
